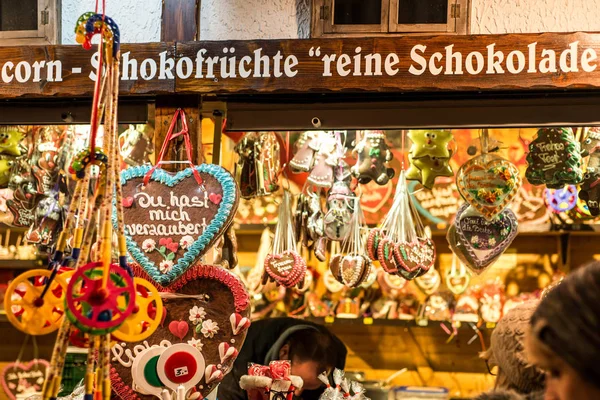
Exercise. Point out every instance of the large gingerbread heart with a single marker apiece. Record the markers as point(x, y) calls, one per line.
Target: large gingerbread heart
point(23, 379)
point(208, 308)
point(479, 242)
point(488, 182)
point(172, 221)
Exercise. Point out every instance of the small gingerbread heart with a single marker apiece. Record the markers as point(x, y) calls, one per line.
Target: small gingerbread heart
point(488, 183)
point(287, 268)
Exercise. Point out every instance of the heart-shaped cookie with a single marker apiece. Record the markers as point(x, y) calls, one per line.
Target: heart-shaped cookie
point(354, 269)
point(373, 239)
point(416, 258)
point(479, 242)
point(20, 379)
point(488, 183)
point(173, 220)
point(457, 280)
point(386, 257)
point(287, 269)
point(206, 299)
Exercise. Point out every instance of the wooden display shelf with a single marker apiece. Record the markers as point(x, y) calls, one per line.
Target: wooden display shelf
point(397, 344)
point(368, 321)
point(21, 264)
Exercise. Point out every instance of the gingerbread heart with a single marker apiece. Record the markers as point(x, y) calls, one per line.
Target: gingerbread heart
point(386, 257)
point(19, 379)
point(354, 269)
point(417, 256)
point(206, 299)
point(373, 239)
point(488, 183)
point(479, 242)
point(174, 220)
point(287, 268)
point(457, 280)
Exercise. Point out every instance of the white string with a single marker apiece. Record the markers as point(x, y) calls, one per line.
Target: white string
point(353, 243)
point(285, 238)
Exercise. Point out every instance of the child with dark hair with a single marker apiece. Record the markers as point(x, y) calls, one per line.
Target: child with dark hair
point(564, 339)
point(311, 348)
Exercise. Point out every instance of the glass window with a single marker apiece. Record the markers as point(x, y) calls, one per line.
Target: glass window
point(423, 12)
point(357, 12)
point(18, 15)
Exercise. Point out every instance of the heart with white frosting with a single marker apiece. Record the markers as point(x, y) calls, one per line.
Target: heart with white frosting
point(227, 353)
point(213, 374)
point(238, 323)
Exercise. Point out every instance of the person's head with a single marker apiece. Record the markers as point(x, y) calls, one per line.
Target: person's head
point(310, 352)
point(564, 338)
point(507, 352)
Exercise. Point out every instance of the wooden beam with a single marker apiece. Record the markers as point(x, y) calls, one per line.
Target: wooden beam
point(180, 20)
point(165, 110)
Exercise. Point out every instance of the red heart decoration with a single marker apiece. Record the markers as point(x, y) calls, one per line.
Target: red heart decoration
point(215, 198)
point(127, 201)
point(173, 247)
point(179, 328)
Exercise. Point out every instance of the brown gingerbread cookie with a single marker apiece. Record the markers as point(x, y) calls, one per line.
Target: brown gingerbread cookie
point(171, 220)
point(208, 308)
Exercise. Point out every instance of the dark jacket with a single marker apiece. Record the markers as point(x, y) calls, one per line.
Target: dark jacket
point(264, 339)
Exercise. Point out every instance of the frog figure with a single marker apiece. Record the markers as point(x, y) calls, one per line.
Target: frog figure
point(10, 142)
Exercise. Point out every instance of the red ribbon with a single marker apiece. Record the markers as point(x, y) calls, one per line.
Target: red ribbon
point(173, 135)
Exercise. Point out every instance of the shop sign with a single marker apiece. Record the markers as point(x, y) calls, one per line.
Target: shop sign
point(390, 64)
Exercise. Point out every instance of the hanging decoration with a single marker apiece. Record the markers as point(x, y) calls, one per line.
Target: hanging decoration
point(488, 182)
point(372, 155)
point(400, 244)
point(477, 242)
point(174, 219)
point(589, 191)
point(561, 200)
point(258, 164)
point(284, 265)
point(457, 277)
point(352, 266)
point(99, 296)
point(429, 156)
point(554, 159)
point(318, 153)
point(21, 380)
point(340, 206)
point(484, 227)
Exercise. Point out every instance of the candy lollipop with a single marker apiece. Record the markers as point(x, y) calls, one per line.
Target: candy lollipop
point(145, 373)
point(180, 368)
